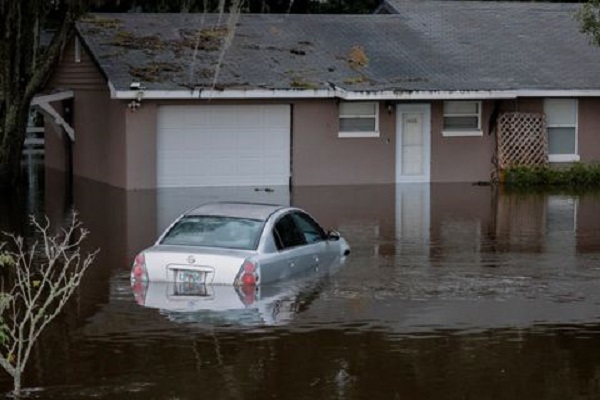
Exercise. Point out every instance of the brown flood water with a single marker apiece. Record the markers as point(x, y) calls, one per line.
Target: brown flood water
point(452, 291)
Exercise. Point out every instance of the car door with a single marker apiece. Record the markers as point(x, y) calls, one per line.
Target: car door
point(287, 260)
point(318, 251)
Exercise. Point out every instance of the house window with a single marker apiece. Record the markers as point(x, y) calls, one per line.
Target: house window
point(561, 122)
point(359, 119)
point(462, 118)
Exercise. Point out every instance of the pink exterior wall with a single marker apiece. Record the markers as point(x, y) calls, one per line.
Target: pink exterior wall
point(469, 159)
point(461, 159)
point(74, 75)
point(589, 129)
point(117, 146)
point(525, 105)
point(140, 142)
point(99, 150)
point(319, 157)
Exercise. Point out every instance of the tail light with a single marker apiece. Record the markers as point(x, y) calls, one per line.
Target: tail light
point(248, 275)
point(139, 271)
point(248, 295)
point(139, 291)
point(247, 280)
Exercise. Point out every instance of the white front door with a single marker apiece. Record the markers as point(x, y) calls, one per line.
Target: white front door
point(413, 144)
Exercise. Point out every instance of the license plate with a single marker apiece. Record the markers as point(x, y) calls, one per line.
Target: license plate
point(187, 276)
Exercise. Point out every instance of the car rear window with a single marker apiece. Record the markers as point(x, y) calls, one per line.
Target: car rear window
point(214, 231)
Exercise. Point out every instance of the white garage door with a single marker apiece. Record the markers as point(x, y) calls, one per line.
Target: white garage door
point(214, 145)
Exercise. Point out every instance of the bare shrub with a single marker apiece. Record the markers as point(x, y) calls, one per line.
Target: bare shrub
point(42, 277)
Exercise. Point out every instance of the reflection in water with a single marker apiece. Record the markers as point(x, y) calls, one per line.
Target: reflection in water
point(452, 291)
point(265, 305)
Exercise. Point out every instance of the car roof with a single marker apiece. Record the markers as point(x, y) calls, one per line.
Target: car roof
point(237, 210)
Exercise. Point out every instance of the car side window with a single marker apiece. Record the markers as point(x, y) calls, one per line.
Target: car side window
point(310, 229)
point(287, 234)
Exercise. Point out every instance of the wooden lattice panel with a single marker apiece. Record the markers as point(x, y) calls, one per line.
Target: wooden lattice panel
point(522, 139)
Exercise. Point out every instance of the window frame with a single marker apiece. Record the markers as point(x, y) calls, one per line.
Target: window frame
point(278, 238)
point(563, 157)
point(359, 134)
point(462, 131)
point(322, 235)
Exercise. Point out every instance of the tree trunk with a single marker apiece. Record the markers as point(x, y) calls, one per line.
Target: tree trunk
point(17, 385)
point(24, 68)
point(11, 148)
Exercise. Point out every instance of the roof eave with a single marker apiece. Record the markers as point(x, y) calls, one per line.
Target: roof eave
point(339, 93)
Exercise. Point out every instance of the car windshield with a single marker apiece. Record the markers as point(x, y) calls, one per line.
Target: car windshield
point(215, 231)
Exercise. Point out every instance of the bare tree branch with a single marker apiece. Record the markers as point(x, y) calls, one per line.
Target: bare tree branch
point(234, 16)
point(45, 275)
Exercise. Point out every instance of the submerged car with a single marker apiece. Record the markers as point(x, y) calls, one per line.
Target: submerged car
point(206, 305)
point(240, 244)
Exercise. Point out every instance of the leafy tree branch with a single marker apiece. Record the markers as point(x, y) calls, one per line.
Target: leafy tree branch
point(589, 20)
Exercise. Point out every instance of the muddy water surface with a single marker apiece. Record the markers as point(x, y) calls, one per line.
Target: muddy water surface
point(452, 291)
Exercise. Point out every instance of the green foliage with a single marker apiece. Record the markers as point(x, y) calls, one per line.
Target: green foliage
point(5, 298)
point(299, 83)
point(4, 330)
point(589, 20)
point(577, 176)
point(6, 260)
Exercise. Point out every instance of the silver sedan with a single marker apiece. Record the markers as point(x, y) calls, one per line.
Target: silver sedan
point(241, 244)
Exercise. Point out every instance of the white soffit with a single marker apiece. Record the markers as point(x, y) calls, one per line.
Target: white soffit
point(43, 103)
point(343, 94)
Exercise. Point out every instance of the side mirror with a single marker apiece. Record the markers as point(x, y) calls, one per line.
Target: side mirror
point(333, 235)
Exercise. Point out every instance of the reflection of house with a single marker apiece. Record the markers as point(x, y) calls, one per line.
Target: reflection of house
point(316, 99)
point(34, 138)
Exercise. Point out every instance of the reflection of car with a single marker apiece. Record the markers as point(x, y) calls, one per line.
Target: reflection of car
point(243, 244)
point(270, 304)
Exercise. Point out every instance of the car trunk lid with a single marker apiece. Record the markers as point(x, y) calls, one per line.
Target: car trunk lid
point(193, 265)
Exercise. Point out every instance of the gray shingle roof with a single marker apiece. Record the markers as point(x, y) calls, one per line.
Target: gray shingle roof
point(437, 45)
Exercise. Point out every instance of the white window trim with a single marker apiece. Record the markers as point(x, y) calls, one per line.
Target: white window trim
point(478, 132)
point(558, 158)
point(462, 132)
point(360, 134)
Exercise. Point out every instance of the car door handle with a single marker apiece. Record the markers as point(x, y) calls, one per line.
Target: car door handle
point(292, 264)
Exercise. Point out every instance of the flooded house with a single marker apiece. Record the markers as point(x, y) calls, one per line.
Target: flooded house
point(434, 92)
point(381, 123)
